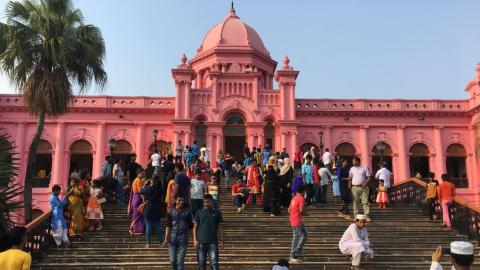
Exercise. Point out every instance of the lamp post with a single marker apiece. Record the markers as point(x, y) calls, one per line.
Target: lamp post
point(155, 134)
point(320, 134)
point(111, 144)
point(381, 147)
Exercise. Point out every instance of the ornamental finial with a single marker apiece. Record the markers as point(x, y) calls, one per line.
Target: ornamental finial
point(183, 59)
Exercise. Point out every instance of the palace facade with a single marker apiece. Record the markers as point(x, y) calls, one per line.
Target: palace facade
point(225, 96)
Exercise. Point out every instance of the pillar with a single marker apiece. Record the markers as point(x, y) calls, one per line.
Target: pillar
point(440, 162)
point(261, 141)
point(219, 140)
point(255, 94)
point(283, 138)
point(211, 144)
point(187, 138)
point(99, 157)
point(291, 102)
point(187, 86)
point(364, 146)
point(178, 100)
point(140, 144)
point(327, 138)
point(251, 140)
point(59, 165)
point(472, 166)
point(403, 172)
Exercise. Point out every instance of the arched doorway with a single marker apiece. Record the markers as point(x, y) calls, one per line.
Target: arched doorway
point(419, 160)
point(201, 132)
point(235, 135)
point(307, 146)
point(161, 146)
point(456, 165)
point(346, 151)
point(123, 150)
point(81, 156)
point(379, 155)
point(269, 135)
point(43, 164)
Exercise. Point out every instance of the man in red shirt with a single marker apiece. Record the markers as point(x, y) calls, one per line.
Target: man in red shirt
point(446, 193)
point(300, 233)
point(239, 194)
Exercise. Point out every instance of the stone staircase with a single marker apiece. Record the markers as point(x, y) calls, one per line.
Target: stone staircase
point(402, 237)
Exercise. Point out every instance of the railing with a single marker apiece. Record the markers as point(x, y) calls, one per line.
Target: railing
point(465, 217)
point(39, 237)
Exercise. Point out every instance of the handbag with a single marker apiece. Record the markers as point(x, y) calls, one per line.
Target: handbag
point(141, 207)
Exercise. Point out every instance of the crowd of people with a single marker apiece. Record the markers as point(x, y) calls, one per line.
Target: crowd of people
point(181, 185)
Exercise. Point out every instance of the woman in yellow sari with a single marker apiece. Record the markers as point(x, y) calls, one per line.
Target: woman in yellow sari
point(76, 210)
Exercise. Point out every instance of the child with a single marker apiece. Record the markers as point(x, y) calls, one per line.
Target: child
point(213, 190)
point(197, 191)
point(58, 223)
point(382, 196)
point(94, 211)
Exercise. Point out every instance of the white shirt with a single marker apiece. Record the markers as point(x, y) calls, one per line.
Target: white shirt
point(117, 170)
point(327, 158)
point(156, 160)
point(359, 174)
point(384, 174)
point(205, 152)
point(325, 175)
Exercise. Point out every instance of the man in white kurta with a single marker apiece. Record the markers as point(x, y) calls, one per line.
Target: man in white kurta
point(355, 242)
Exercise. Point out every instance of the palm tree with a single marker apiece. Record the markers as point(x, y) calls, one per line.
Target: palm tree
point(45, 48)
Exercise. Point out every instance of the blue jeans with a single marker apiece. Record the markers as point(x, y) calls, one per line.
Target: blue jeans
point(148, 232)
point(227, 177)
point(120, 191)
point(212, 251)
point(300, 235)
point(177, 256)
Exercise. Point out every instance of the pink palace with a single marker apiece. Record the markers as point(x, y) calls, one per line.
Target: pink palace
point(224, 96)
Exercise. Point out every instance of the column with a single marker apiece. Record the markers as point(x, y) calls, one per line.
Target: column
point(210, 144)
point(186, 89)
point(261, 141)
point(219, 140)
point(440, 162)
point(187, 138)
point(59, 158)
point(327, 138)
point(365, 156)
point(402, 172)
point(99, 157)
point(291, 91)
point(293, 146)
point(472, 165)
point(178, 100)
point(140, 143)
point(283, 104)
point(283, 140)
point(255, 94)
point(214, 93)
point(250, 139)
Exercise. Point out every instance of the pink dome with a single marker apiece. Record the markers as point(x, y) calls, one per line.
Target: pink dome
point(232, 32)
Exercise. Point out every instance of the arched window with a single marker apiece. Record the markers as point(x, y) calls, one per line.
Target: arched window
point(456, 169)
point(346, 151)
point(81, 156)
point(123, 150)
point(43, 164)
point(381, 155)
point(201, 133)
point(269, 135)
point(419, 160)
point(161, 146)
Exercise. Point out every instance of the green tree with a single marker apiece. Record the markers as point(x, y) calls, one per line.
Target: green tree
point(45, 50)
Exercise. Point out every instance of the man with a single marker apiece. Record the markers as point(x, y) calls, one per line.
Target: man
point(240, 195)
point(155, 159)
point(300, 233)
point(205, 153)
point(132, 169)
point(258, 155)
point(355, 242)
point(118, 176)
point(179, 222)
point(307, 173)
point(107, 168)
point(178, 152)
point(284, 153)
point(228, 162)
point(14, 258)
point(194, 150)
point(246, 150)
point(385, 175)
point(431, 196)
point(359, 177)
point(461, 256)
point(345, 192)
point(325, 177)
point(446, 193)
point(327, 158)
point(181, 187)
point(266, 156)
point(206, 231)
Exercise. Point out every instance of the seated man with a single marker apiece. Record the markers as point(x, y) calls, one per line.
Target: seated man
point(355, 242)
point(239, 194)
point(461, 256)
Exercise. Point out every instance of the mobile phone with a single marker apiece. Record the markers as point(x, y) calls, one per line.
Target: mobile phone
point(446, 251)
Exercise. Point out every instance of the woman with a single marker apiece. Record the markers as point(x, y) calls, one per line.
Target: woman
point(253, 183)
point(152, 194)
point(286, 175)
point(270, 196)
point(298, 158)
point(76, 210)
point(220, 158)
point(137, 226)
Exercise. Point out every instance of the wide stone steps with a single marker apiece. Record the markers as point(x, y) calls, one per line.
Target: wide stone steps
point(402, 237)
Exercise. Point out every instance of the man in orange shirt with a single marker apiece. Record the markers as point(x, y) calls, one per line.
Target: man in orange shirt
point(446, 193)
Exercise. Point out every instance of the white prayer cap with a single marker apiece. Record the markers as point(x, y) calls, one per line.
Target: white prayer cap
point(360, 217)
point(461, 248)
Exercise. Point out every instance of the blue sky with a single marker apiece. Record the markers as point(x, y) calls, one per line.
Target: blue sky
point(343, 49)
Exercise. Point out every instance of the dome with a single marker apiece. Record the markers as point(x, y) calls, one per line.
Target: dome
point(232, 32)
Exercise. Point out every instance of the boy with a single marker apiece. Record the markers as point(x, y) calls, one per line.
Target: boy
point(300, 233)
point(58, 224)
point(197, 191)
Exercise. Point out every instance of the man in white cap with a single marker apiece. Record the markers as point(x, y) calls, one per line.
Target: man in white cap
point(355, 242)
point(461, 256)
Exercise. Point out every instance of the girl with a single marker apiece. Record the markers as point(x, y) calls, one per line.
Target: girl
point(336, 188)
point(94, 211)
point(137, 226)
point(382, 196)
point(212, 188)
point(253, 183)
point(76, 209)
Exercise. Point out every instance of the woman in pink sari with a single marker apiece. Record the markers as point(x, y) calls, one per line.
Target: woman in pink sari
point(137, 226)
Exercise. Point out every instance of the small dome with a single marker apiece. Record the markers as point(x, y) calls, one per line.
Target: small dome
point(232, 32)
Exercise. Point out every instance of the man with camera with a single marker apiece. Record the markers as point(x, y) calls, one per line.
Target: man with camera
point(461, 256)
